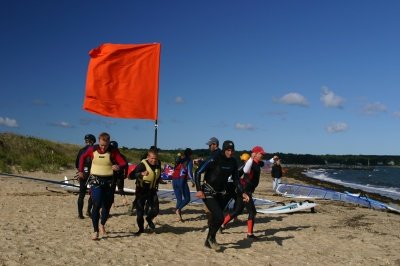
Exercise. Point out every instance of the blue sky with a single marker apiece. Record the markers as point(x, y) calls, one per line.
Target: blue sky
point(315, 77)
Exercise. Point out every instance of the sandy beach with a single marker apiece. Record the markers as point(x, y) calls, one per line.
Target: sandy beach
point(39, 226)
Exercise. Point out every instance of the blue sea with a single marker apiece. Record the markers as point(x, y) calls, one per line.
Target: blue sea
point(381, 180)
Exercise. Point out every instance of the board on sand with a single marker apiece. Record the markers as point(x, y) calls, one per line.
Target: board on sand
point(301, 191)
point(289, 208)
point(74, 187)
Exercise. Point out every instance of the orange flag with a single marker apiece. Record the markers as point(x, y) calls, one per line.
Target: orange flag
point(122, 80)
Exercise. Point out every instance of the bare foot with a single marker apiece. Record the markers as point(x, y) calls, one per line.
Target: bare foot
point(178, 216)
point(95, 236)
point(125, 201)
point(103, 230)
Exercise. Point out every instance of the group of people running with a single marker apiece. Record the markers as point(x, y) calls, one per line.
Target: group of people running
point(218, 180)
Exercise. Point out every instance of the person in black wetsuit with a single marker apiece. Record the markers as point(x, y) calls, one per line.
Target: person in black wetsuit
point(231, 187)
point(147, 174)
point(120, 175)
point(249, 182)
point(213, 145)
point(144, 157)
point(217, 170)
point(90, 140)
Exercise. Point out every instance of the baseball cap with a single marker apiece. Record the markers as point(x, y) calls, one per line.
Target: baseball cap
point(213, 140)
point(258, 149)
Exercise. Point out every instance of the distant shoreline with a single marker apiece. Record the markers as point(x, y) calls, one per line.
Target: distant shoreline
point(296, 173)
point(325, 166)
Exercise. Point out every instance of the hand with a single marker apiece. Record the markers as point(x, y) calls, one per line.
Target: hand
point(144, 173)
point(200, 194)
point(115, 167)
point(246, 197)
point(80, 175)
point(197, 161)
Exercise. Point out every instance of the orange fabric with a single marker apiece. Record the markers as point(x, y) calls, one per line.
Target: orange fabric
point(122, 81)
point(250, 225)
point(226, 219)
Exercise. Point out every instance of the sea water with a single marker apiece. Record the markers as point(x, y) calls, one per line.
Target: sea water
point(380, 180)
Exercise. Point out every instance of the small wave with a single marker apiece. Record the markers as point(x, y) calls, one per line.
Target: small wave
point(391, 192)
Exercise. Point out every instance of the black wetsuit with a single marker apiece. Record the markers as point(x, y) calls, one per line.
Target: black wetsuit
point(249, 183)
point(217, 170)
point(146, 195)
point(83, 182)
point(119, 178)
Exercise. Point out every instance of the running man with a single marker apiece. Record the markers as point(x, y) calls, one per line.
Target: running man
point(249, 182)
point(147, 174)
point(105, 160)
point(217, 170)
point(90, 140)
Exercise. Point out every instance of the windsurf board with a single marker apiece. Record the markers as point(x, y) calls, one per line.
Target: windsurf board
point(289, 208)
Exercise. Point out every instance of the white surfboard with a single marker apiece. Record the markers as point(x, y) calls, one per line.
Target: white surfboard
point(289, 208)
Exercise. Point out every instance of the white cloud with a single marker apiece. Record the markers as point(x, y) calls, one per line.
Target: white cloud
point(293, 98)
point(8, 122)
point(179, 100)
point(61, 124)
point(40, 102)
point(397, 114)
point(374, 108)
point(337, 127)
point(244, 126)
point(330, 99)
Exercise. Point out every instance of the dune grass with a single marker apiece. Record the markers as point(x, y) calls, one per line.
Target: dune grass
point(24, 153)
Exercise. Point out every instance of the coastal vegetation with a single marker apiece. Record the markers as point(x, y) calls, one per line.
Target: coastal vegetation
point(26, 153)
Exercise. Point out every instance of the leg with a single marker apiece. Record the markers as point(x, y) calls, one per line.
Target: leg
point(176, 184)
point(81, 197)
point(140, 201)
point(186, 194)
point(251, 209)
point(97, 200)
point(237, 211)
point(106, 206)
point(90, 205)
point(154, 209)
point(278, 181)
point(214, 205)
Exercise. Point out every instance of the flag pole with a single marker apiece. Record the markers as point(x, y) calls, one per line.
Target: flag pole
point(158, 88)
point(155, 132)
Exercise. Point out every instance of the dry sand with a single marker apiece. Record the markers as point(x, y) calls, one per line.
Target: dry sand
point(39, 226)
